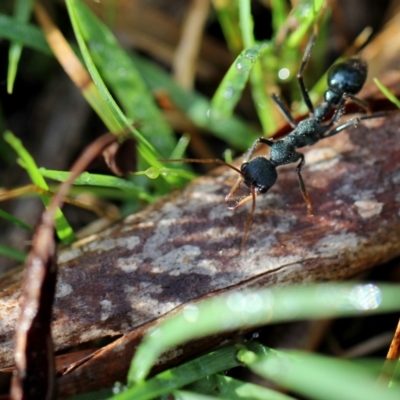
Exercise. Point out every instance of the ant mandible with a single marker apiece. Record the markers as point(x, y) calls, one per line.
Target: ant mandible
point(345, 80)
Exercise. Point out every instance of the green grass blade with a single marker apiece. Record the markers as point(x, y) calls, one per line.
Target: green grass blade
point(246, 23)
point(26, 34)
point(241, 310)
point(228, 17)
point(180, 148)
point(88, 179)
point(14, 254)
point(316, 376)
point(387, 93)
point(231, 88)
point(167, 381)
point(8, 217)
point(22, 12)
point(63, 229)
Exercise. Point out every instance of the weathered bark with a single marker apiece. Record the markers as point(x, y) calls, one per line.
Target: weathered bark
point(186, 247)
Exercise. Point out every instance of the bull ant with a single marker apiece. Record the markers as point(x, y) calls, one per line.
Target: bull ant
point(259, 174)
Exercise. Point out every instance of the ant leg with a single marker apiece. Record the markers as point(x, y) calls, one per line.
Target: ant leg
point(249, 219)
point(306, 197)
point(363, 104)
point(339, 111)
point(241, 202)
point(284, 110)
point(300, 79)
point(356, 121)
point(253, 147)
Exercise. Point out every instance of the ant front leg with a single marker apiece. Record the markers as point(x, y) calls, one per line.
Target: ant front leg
point(306, 197)
point(254, 147)
point(304, 92)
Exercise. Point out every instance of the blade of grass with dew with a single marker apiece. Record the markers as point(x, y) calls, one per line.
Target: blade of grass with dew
point(27, 34)
point(259, 81)
point(145, 149)
point(22, 12)
point(235, 389)
point(104, 181)
point(317, 376)
point(238, 310)
point(62, 227)
point(12, 253)
point(232, 130)
point(119, 72)
point(232, 85)
point(175, 378)
point(8, 217)
point(228, 17)
point(387, 93)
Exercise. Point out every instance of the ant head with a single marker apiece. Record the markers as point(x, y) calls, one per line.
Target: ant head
point(346, 77)
point(260, 174)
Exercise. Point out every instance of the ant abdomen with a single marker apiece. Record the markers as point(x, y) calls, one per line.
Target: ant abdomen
point(345, 77)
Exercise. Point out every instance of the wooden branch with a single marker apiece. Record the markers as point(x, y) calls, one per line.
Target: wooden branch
point(185, 247)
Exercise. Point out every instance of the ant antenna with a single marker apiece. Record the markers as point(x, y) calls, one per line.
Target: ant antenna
point(202, 161)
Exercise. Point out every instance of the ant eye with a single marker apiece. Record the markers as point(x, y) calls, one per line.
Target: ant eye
point(244, 166)
point(262, 189)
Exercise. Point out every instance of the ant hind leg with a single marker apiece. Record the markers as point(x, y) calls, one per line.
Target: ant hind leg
point(306, 197)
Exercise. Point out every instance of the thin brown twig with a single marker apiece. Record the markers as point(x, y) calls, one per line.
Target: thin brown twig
point(186, 55)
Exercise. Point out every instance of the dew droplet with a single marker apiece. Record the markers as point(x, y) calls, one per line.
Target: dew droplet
point(366, 297)
point(228, 93)
point(152, 173)
point(191, 313)
point(239, 66)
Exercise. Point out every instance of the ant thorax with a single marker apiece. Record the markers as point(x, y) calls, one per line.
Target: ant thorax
point(307, 133)
point(283, 152)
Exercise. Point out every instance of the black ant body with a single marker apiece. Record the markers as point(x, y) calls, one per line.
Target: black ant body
point(259, 174)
